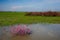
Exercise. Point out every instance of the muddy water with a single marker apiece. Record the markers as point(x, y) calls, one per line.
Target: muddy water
point(39, 32)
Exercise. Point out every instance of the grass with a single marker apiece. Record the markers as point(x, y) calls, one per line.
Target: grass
point(10, 18)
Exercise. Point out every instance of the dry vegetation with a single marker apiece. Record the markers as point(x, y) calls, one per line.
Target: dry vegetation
point(49, 13)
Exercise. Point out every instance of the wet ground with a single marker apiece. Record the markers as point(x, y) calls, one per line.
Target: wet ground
point(39, 32)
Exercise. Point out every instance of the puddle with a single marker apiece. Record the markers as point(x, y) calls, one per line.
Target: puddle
point(39, 32)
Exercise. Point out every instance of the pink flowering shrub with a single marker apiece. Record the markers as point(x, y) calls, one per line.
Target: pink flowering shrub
point(20, 30)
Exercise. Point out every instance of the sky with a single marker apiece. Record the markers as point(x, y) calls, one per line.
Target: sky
point(29, 5)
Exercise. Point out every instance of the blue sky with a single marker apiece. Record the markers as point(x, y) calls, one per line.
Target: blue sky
point(29, 5)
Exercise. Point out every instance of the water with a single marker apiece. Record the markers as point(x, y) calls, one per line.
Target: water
point(39, 32)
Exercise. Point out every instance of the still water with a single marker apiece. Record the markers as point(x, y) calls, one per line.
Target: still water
point(39, 32)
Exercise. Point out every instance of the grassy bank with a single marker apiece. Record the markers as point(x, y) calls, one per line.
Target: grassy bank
point(9, 18)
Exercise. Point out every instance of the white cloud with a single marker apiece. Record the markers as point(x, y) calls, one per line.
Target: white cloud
point(13, 8)
point(35, 4)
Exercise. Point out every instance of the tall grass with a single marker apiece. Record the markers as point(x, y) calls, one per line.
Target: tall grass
point(9, 18)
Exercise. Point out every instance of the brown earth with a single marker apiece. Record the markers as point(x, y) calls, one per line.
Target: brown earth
point(49, 13)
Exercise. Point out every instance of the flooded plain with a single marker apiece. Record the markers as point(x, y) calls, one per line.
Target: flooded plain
point(39, 32)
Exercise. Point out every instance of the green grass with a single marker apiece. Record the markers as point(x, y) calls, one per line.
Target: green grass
point(9, 18)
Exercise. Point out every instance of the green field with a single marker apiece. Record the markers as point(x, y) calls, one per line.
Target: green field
point(10, 18)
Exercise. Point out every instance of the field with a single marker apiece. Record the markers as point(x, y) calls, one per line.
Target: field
point(10, 18)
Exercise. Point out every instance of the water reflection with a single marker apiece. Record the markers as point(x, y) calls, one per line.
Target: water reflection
point(40, 32)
